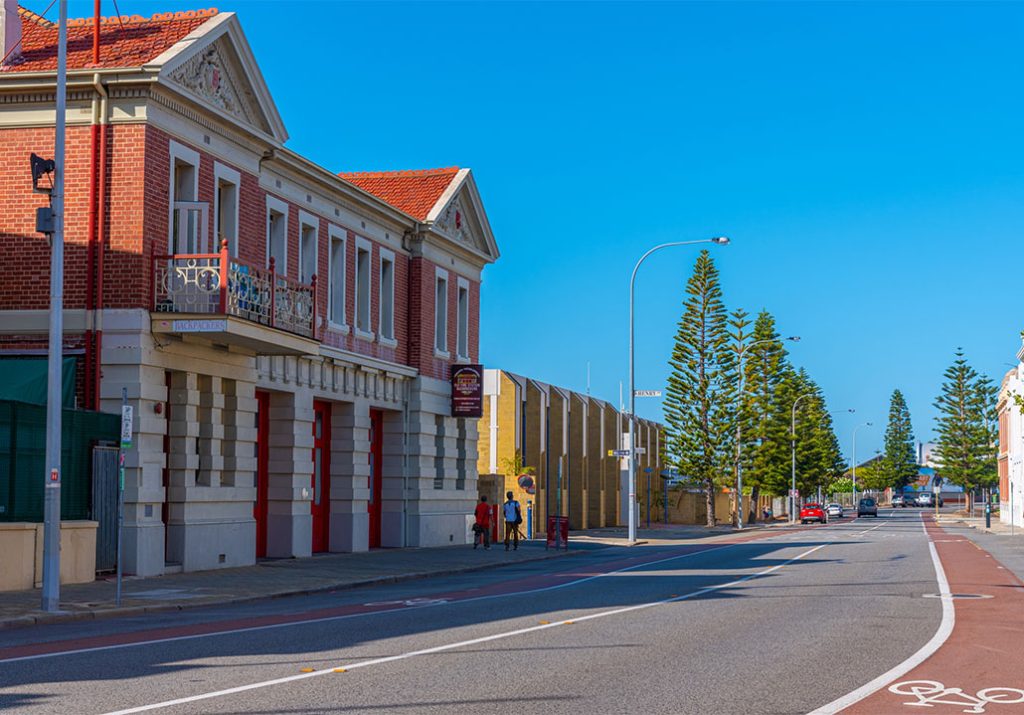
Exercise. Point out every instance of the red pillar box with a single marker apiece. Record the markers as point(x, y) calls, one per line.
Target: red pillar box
point(558, 532)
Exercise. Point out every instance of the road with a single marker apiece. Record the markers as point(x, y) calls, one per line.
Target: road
point(786, 623)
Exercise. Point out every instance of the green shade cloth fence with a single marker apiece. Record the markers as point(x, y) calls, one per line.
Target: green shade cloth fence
point(24, 380)
point(23, 459)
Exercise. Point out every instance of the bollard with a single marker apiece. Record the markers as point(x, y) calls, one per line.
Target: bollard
point(988, 515)
point(529, 519)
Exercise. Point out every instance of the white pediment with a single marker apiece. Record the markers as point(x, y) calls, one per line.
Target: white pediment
point(214, 66)
point(459, 216)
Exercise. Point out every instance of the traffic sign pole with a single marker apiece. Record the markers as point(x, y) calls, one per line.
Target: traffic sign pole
point(126, 444)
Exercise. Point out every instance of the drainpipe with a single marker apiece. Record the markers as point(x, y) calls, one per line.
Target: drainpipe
point(90, 249)
point(405, 465)
point(101, 216)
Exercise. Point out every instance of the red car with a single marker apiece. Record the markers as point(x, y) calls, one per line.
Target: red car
point(813, 512)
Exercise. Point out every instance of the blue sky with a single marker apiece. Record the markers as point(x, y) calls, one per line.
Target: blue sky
point(865, 159)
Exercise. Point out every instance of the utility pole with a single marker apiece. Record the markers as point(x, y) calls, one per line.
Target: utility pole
point(55, 361)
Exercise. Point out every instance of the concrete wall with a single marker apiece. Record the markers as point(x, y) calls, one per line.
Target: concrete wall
point(22, 547)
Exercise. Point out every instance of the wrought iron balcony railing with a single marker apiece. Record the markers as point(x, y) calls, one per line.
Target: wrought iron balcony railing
point(216, 283)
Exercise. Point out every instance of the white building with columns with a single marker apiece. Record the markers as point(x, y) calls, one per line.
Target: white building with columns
point(1011, 446)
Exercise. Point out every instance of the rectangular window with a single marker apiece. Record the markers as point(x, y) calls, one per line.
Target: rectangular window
point(441, 313)
point(387, 296)
point(462, 327)
point(336, 286)
point(187, 230)
point(277, 234)
point(225, 208)
point(308, 229)
point(363, 254)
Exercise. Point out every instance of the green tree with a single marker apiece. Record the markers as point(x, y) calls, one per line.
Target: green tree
point(698, 418)
point(967, 437)
point(819, 461)
point(898, 467)
point(765, 368)
point(739, 338)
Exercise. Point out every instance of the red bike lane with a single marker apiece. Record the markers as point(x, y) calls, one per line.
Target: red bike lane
point(980, 666)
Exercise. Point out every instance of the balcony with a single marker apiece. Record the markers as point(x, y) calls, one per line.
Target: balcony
point(231, 302)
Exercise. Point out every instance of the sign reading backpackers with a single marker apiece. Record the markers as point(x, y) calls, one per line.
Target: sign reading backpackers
point(468, 391)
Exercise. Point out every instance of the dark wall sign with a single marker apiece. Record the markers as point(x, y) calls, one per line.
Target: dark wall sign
point(468, 391)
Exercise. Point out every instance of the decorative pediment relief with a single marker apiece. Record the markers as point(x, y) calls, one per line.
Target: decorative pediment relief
point(456, 223)
point(214, 76)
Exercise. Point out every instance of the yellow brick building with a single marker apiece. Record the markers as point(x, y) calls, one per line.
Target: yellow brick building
point(563, 439)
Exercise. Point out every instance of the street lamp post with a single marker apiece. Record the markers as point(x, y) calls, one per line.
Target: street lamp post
point(792, 436)
point(739, 424)
point(863, 424)
point(719, 240)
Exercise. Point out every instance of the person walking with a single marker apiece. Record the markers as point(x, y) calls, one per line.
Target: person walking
point(482, 527)
point(513, 518)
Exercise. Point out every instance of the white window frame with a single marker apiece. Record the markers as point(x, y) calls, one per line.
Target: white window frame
point(188, 156)
point(441, 274)
point(461, 332)
point(386, 333)
point(307, 219)
point(363, 244)
point(336, 233)
point(281, 207)
point(226, 173)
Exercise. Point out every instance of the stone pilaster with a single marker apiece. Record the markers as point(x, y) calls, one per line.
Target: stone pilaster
point(290, 469)
point(350, 473)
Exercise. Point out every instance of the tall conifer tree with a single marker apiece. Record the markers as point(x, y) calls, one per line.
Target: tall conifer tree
point(898, 467)
point(966, 449)
point(697, 411)
point(765, 366)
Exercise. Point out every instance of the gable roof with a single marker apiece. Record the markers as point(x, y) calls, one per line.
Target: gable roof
point(126, 42)
point(415, 192)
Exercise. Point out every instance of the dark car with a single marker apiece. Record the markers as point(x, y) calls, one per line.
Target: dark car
point(813, 512)
point(867, 507)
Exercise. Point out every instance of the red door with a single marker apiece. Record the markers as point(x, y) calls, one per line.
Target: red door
point(321, 481)
point(376, 450)
point(259, 509)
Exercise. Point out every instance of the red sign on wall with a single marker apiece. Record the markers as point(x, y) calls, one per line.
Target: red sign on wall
point(468, 391)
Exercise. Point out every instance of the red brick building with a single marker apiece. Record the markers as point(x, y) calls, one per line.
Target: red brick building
point(285, 333)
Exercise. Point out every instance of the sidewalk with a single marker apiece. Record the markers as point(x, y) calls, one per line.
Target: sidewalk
point(323, 572)
point(978, 523)
point(267, 579)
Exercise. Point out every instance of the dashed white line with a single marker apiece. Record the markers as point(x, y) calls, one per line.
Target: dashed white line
point(460, 644)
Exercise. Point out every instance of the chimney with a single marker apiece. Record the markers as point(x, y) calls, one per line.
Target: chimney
point(10, 33)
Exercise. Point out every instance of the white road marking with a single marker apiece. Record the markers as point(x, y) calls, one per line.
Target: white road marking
point(929, 692)
point(461, 644)
point(940, 637)
point(328, 619)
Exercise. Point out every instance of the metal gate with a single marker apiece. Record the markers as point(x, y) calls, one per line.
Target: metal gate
point(104, 505)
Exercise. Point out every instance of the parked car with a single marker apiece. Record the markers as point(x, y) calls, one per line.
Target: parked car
point(927, 499)
point(834, 510)
point(867, 507)
point(813, 512)
point(899, 501)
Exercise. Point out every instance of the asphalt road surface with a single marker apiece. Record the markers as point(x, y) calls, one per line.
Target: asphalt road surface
point(783, 624)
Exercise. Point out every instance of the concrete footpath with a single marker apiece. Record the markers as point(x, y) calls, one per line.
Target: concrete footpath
point(275, 578)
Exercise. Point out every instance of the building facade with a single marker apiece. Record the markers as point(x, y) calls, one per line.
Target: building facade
point(564, 442)
point(1011, 446)
point(284, 333)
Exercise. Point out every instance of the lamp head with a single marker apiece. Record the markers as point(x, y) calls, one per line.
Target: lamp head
point(721, 240)
point(793, 338)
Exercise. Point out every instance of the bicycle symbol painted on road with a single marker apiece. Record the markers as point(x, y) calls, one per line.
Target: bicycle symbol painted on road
point(930, 693)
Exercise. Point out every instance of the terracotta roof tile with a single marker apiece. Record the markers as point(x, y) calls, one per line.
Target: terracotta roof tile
point(414, 192)
point(129, 41)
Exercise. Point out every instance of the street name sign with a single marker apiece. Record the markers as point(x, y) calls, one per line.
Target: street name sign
point(647, 393)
